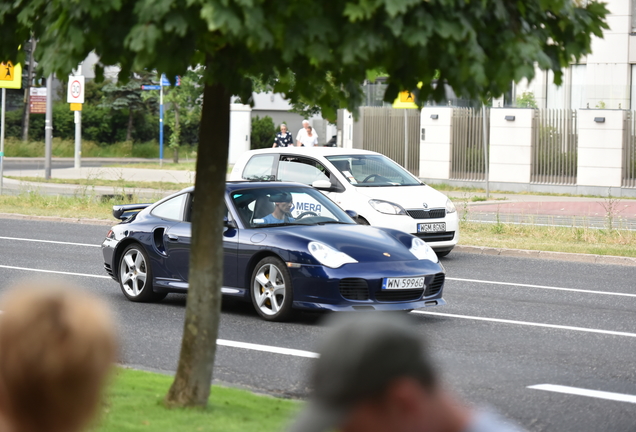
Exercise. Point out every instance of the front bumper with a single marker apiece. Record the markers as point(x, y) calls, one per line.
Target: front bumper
point(359, 286)
point(438, 241)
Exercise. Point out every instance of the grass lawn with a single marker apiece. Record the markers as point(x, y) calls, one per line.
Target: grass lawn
point(119, 184)
point(134, 402)
point(556, 239)
point(81, 206)
point(183, 166)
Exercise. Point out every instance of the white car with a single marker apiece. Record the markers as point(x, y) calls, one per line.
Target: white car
point(382, 192)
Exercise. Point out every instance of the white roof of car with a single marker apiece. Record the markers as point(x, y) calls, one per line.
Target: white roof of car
point(314, 151)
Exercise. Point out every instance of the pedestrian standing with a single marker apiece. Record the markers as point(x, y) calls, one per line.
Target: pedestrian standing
point(283, 138)
point(302, 134)
point(310, 139)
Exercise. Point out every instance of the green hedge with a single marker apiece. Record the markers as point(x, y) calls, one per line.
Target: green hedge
point(100, 125)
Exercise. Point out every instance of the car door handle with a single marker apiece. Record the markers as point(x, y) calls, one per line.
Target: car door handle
point(173, 237)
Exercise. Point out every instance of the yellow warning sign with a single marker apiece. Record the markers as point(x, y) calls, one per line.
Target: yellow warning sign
point(407, 96)
point(10, 75)
point(76, 107)
point(405, 99)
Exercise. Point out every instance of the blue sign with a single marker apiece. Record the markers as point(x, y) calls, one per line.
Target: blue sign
point(166, 82)
point(150, 87)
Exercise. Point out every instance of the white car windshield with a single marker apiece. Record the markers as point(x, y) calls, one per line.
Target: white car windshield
point(372, 171)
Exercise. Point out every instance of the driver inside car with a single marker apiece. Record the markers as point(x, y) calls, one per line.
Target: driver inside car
point(282, 209)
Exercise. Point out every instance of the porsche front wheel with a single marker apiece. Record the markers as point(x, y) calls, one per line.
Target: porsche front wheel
point(272, 290)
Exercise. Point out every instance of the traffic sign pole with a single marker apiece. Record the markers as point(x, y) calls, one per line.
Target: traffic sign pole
point(163, 81)
point(78, 131)
point(161, 124)
point(48, 128)
point(4, 97)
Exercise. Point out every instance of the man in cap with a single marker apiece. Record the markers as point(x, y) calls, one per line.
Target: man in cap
point(374, 375)
point(282, 208)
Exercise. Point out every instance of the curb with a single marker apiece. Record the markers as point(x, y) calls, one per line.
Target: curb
point(560, 256)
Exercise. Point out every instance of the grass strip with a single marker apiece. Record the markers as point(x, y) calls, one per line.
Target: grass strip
point(134, 402)
point(549, 238)
point(77, 207)
point(121, 184)
point(181, 166)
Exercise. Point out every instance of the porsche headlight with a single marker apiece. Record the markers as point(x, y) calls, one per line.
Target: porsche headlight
point(450, 207)
point(387, 207)
point(328, 256)
point(421, 250)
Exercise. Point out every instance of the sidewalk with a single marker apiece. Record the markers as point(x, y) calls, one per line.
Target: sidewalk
point(549, 210)
point(169, 177)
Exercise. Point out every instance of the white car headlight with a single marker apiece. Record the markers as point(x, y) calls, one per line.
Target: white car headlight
point(328, 256)
point(450, 207)
point(387, 207)
point(421, 250)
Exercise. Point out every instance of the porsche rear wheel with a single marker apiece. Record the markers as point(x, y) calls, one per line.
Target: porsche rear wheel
point(135, 275)
point(272, 290)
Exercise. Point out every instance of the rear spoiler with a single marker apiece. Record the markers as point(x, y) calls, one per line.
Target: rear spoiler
point(124, 211)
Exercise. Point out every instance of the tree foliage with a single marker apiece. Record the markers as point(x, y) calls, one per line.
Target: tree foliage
point(477, 47)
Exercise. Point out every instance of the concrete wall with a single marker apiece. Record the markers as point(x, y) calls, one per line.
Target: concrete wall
point(240, 130)
point(510, 144)
point(347, 130)
point(435, 142)
point(600, 148)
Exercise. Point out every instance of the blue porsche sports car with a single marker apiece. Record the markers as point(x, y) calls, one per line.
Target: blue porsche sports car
point(286, 246)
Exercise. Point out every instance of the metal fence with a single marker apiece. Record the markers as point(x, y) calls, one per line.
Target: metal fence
point(629, 150)
point(382, 130)
point(554, 147)
point(468, 160)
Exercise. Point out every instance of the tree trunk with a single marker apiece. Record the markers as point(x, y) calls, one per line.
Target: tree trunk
point(26, 116)
point(191, 386)
point(177, 129)
point(130, 125)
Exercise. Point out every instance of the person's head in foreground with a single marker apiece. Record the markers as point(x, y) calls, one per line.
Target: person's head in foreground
point(57, 345)
point(374, 374)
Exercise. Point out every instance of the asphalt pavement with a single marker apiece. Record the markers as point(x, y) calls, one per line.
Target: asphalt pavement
point(510, 324)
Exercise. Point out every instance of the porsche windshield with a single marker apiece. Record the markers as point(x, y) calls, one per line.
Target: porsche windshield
point(372, 170)
point(264, 207)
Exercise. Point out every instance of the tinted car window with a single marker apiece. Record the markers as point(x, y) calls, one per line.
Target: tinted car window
point(260, 167)
point(301, 170)
point(171, 209)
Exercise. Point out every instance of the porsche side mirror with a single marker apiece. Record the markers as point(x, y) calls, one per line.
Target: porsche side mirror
point(352, 214)
point(228, 223)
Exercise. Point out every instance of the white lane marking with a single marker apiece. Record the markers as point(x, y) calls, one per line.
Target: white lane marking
point(266, 348)
point(53, 271)
point(620, 397)
point(531, 324)
point(48, 241)
point(542, 287)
